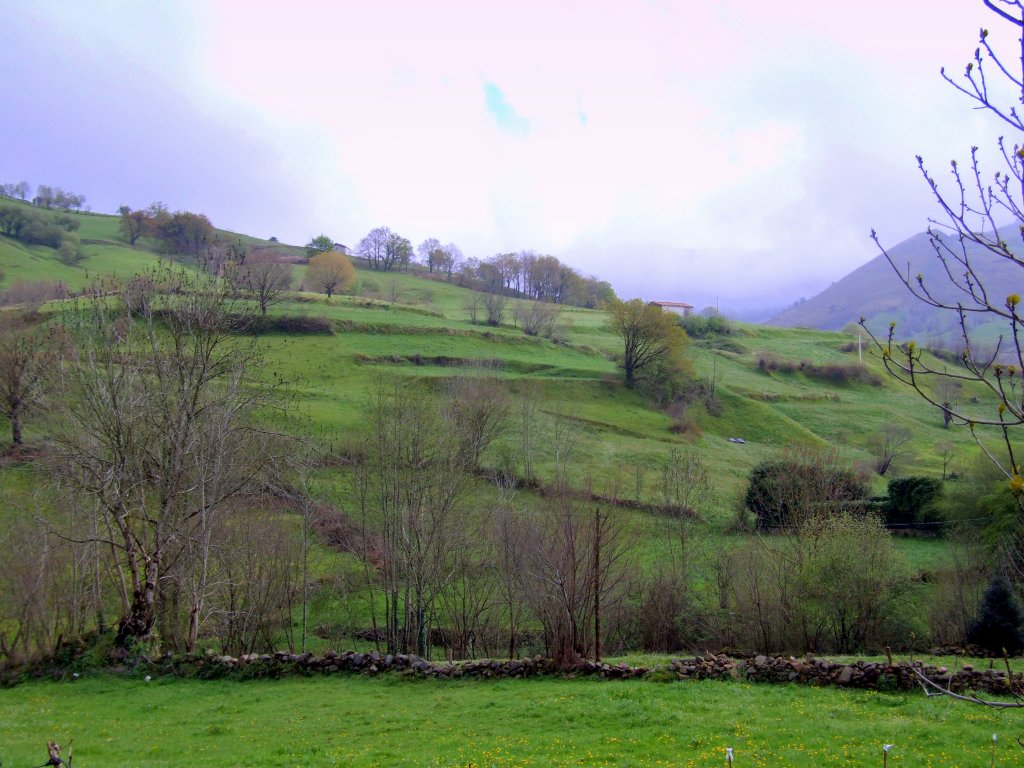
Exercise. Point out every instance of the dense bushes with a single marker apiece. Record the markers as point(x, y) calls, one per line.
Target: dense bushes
point(832, 373)
point(913, 504)
point(800, 484)
point(835, 584)
point(285, 324)
point(705, 326)
point(38, 228)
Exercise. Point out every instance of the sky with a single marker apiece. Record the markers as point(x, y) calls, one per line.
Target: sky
point(724, 152)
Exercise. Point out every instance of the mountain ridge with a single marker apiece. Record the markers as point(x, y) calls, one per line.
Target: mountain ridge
point(875, 292)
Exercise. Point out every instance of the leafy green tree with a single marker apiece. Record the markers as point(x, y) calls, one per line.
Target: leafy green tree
point(133, 224)
point(801, 483)
point(184, 232)
point(914, 502)
point(319, 244)
point(850, 580)
point(649, 335)
point(397, 252)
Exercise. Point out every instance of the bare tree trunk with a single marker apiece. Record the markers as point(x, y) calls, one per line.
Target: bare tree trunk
point(138, 622)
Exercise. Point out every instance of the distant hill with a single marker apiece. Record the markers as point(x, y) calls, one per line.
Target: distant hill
point(875, 292)
point(105, 251)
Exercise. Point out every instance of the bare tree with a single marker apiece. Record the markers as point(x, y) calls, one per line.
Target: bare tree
point(31, 295)
point(511, 534)
point(473, 305)
point(528, 428)
point(565, 435)
point(469, 596)
point(965, 239)
point(265, 276)
point(449, 259)
point(26, 354)
point(479, 410)
point(888, 445)
point(685, 484)
point(537, 318)
point(946, 453)
point(416, 481)
point(575, 562)
point(428, 252)
point(258, 583)
point(494, 304)
point(158, 430)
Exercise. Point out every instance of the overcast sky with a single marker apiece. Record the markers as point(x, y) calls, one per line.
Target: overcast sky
point(682, 150)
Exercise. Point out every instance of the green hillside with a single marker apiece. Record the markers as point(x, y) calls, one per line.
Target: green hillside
point(755, 390)
point(105, 253)
point(395, 317)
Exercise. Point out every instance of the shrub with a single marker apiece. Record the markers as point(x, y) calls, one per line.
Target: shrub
point(537, 318)
point(706, 326)
point(802, 483)
point(32, 294)
point(833, 373)
point(997, 628)
point(913, 503)
point(285, 324)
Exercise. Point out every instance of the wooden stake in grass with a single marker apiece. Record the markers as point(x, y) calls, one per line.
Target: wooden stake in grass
point(728, 756)
point(995, 738)
point(885, 755)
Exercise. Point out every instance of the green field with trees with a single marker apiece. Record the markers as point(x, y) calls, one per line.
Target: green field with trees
point(452, 479)
point(223, 446)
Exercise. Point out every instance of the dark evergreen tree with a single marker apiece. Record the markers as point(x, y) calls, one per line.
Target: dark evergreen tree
point(997, 627)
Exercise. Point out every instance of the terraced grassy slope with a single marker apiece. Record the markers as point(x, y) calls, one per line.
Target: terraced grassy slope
point(409, 327)
point(404, 325)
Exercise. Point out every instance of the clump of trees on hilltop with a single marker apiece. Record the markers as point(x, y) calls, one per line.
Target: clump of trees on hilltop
point(46, 196)
point(524, 274)
point(54, 230)
point(181, 232)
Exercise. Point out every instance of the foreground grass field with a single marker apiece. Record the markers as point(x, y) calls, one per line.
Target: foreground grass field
point(351, 721)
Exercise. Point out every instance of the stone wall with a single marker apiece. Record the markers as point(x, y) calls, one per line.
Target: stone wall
point(762, 669)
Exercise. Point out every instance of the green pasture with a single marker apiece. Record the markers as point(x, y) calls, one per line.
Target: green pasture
point(412, 328)
point(392, 721)
point(105, 253)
